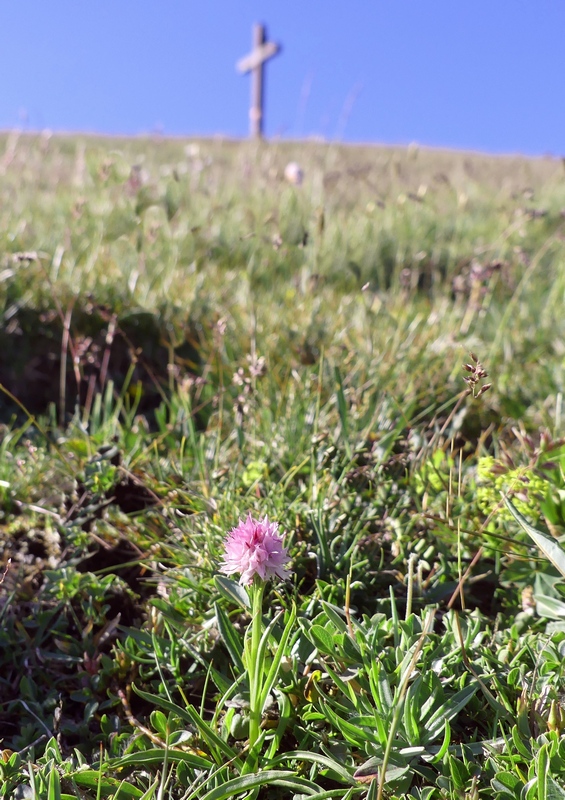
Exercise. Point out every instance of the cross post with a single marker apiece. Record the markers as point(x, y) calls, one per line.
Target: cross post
point(253, 63)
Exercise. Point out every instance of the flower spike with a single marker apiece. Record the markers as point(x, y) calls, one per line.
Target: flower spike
point(255, 547)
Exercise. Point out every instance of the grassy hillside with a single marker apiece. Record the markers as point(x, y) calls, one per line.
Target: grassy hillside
point(186, 338)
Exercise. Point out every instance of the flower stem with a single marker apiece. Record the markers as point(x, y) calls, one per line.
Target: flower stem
point(254, 669)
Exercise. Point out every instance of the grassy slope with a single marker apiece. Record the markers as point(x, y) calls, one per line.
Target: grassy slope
point(149, 280)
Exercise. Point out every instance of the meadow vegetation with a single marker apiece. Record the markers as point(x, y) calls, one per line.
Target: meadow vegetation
point(375, 360)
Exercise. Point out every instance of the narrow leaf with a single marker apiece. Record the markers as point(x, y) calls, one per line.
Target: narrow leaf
point(277, 658)
point(323, 640)
point(315, 758)
point(554, 791)
point(548, 546)
point(54, 789)
point(90, 778)
point(232, 591)
point(336, 615)
point(549, 606)
point(269, 777)
point(145, 758)
point(448, 711)
point(542, 770)
point(262, 649)
point(189, 714)
point(342, 408)
point(230, 638)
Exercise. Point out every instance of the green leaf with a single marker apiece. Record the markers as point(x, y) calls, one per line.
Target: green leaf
point(507, 783)
point(149, 794)
point(410, 713)
point(285, 717)
point(280, 651)
point(331, 793)
point(159, 722)
point(555, 627)
point(520, 745)
point(262, 649)
point(232, 591)
point(190, 715)
point(315, 758)
point(342, 685)
point(383, 696)
point(352, 733)
point(324, 556)
point(230, 638)
point(449, 710)
point(335, 615)
point(554, 791)
point(542, 771)
point(91, 779)
point(342, 408)
point(157, 755)
point(373, 765)
point(350, 649)
point(459, 772)
point(322, 639)
point(549, 607)
point(445, 745)
point(54, 789)
point(267, 778)
point(548, 546)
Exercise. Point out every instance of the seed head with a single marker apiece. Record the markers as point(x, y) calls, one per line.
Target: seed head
point(477, 374)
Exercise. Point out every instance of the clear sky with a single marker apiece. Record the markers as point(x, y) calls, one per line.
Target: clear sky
point(481, 74)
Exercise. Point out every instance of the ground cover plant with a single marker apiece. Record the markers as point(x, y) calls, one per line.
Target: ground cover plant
point(368, 364)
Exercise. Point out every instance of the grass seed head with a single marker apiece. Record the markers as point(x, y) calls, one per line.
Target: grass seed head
point(477, 373)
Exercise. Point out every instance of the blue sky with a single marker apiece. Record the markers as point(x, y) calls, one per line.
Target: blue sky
point(484, 75)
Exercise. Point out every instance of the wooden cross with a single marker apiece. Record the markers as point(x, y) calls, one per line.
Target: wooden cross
point(253, 63)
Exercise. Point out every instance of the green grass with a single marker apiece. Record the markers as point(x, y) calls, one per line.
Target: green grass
point(186, 338)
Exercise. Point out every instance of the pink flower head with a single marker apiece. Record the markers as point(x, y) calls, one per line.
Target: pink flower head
point(255, 548)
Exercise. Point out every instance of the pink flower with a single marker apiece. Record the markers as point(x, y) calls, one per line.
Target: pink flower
point(255, 548)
